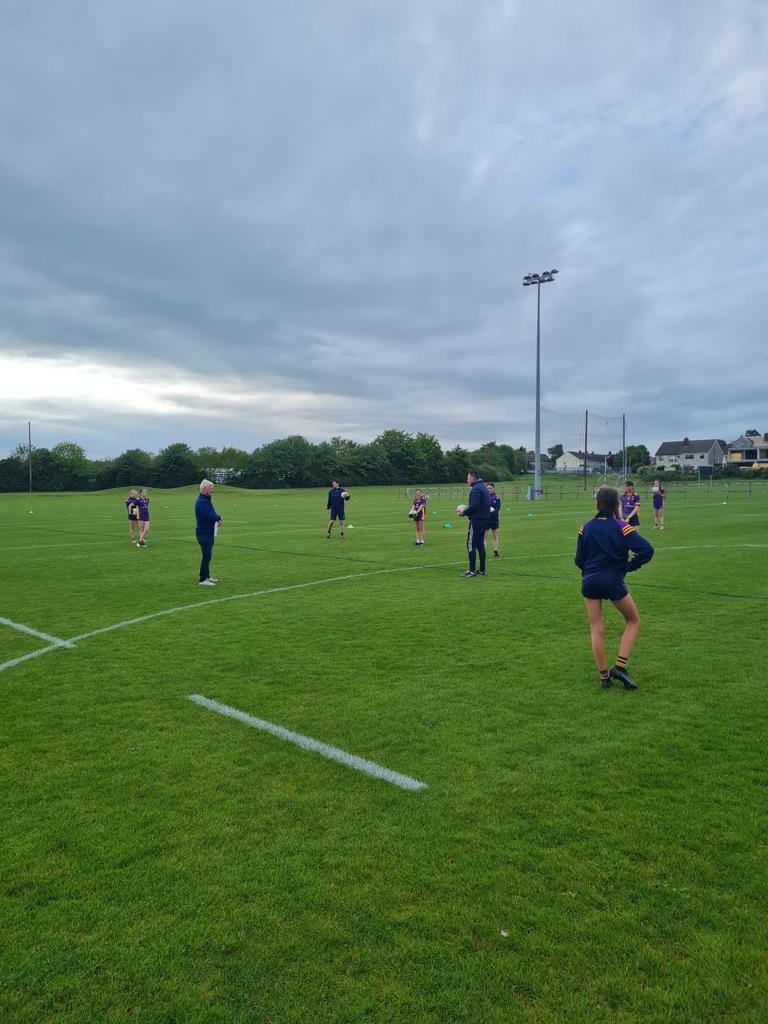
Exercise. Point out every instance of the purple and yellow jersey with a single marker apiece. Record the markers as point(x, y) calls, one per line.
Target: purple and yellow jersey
point(143, 505)
point(130, 506)
point(628, 503)
point(420, 508)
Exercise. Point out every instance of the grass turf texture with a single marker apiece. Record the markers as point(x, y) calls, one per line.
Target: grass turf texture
point(580, 855)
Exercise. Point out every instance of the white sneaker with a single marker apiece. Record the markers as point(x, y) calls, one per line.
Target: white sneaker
point(207, 583)
point(212, 579)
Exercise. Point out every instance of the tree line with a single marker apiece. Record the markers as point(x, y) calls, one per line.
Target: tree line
point(394, 457)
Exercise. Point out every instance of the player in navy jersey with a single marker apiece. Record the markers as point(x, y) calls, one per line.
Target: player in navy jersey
point(418, 514)
point(630, 504)
point(493, 524)
point(602, 554)
point(143, 505)
point(132, 508)
point(658, 497)
point(335, 508)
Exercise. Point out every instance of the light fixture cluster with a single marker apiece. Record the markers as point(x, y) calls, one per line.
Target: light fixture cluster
point(545, 278)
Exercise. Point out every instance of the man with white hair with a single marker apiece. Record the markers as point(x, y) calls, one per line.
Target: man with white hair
point(207, 520)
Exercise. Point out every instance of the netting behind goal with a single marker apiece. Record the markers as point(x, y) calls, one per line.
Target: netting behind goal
point(584, 436)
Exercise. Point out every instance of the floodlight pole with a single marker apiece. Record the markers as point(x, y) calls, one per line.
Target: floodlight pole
point(538, 279)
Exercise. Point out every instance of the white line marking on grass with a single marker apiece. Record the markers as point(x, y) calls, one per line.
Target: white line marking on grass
point(307, 743)
point(33, 654)
point(56, 641)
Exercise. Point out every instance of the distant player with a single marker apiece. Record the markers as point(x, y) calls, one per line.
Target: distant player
point(602, 554)
point(658, 497)
point(630, 504)
point(132, 508)
point(478, 511)
point(335, 508)
point(493, 524)
point(143, 506)
point(207, 523)
point(418, 514)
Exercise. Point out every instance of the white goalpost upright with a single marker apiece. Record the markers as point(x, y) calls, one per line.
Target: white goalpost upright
point(593, 445)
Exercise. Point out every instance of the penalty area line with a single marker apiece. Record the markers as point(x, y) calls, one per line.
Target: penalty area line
point(359, 764)
point(54, 640)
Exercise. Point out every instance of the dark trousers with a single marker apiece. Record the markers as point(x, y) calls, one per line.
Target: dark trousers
point(476, 542)
point(205, 540)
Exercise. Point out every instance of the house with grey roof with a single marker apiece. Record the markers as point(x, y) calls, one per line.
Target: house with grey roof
point(689, 454)
point(748, 452)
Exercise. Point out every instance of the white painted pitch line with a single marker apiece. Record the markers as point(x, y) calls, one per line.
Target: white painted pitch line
point(359, 764)
point(55, 640)
point(32, 654)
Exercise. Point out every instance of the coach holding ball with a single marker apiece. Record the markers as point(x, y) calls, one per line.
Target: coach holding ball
point(478, 511)
point(207, 523)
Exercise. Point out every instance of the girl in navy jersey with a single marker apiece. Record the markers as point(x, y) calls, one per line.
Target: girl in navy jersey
point(143, 503)
point(418, 512)
point(658, 494)
point(132, 507)
point(602, 554)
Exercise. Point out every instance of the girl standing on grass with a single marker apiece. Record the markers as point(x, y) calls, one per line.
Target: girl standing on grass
point(143, 503)
point(132, 507)
point(602, 554)
point(418, 512)
point(658, 495)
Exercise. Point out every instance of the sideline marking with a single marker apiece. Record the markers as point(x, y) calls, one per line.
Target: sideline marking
point(55, 640)
point(33, 654)
point(360, 764)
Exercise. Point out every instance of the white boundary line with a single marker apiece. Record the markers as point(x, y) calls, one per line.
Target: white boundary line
point(56, 641)
point(359, 764)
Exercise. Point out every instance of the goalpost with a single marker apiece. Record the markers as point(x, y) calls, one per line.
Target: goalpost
point(594, 446)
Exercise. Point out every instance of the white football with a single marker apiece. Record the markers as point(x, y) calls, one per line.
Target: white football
point(345, 495)
point(412, 514)
point(461, 508)
point(654, 490)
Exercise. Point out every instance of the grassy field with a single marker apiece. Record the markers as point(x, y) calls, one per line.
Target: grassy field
point(577, 855)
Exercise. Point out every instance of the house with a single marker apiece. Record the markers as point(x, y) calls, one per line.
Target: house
point(748, 452)
point(689, 455)
point(573, 462)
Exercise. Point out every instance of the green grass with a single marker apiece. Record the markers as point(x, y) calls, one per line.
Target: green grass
point(579, 855)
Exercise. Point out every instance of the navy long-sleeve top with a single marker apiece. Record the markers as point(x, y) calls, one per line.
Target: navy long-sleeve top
point(206, 515)
point(606, 543)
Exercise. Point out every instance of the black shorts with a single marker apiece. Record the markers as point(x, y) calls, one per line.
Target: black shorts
point(493, 525)
point(607, 585)
point(336, 513)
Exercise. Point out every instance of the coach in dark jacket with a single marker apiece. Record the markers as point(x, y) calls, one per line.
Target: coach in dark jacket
point(206, 522)
point(478, 511)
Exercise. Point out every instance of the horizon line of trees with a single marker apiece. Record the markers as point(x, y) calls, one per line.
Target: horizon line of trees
point(394, 457)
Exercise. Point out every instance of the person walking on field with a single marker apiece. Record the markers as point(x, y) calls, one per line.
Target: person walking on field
point(478, 511)
point(493, 523)
point(132, 507)
point(418, 513)
point(143, 505)
point(658, 497)
point(602, 554)
point(335, 507)
point(207, 522)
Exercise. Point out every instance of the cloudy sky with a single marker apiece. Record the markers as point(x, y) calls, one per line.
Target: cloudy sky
point(224, 223)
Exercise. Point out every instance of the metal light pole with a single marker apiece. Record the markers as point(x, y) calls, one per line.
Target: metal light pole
point(538, 279)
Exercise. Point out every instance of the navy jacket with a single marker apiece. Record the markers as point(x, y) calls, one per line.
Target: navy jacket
point(335, 500)
point(479, 506)
point(606, 543)
point(206, 515)
point(495, 506)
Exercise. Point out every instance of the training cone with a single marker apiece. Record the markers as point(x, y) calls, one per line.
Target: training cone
point(434, 513)
point(530, 515)
point(350, 526)
point(447, 526)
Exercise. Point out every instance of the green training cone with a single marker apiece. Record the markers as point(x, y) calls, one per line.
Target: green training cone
point(447, 526)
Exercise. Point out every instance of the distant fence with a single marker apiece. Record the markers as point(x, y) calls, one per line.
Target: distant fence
point(557, 490)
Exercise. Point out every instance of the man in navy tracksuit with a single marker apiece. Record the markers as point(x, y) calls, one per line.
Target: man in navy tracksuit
point(207, 520)
point(478, 511)
point(335, 507)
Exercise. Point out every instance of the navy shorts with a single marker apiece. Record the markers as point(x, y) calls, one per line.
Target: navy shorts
point(336, 513)
point(607, 585)
point(493, 525)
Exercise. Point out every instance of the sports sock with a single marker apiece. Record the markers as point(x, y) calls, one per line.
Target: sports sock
point(604, 673)
point(621, 662)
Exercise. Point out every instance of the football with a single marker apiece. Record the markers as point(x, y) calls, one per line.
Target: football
point(654, 490)
point(461, 508)
point(345, 495)
point(412, 514)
